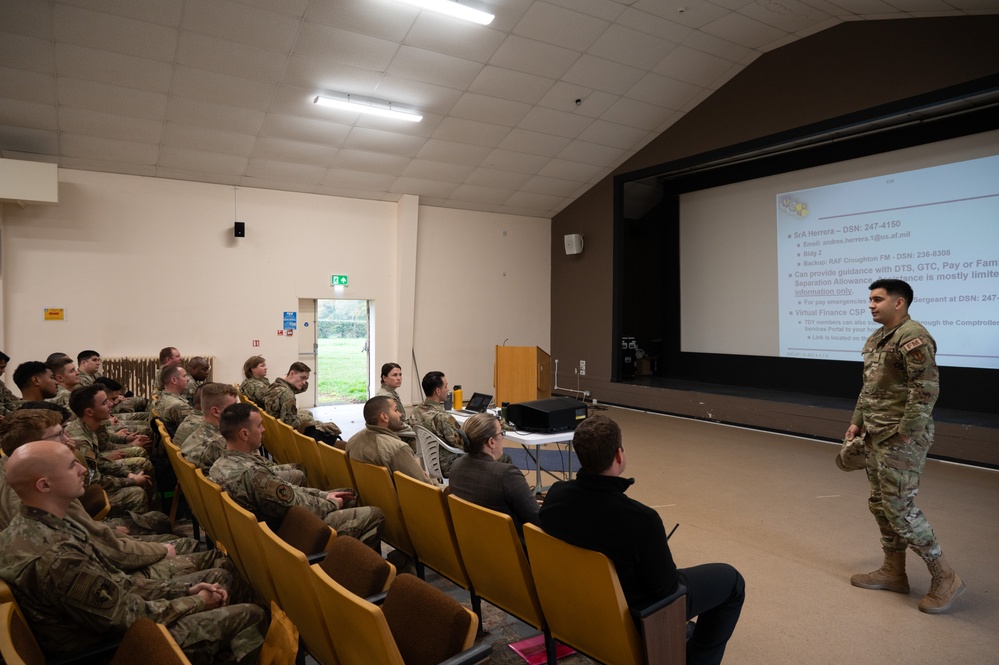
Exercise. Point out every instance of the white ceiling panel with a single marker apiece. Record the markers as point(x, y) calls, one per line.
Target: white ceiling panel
point(116, 34)
point(222, 91)
point(560, 27)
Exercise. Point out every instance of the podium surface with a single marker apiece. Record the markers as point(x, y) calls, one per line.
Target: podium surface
point(522, 374)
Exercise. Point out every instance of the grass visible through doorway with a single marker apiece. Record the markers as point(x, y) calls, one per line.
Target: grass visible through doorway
point(343, 371)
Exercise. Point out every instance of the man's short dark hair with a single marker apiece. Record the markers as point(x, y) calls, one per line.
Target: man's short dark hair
point(431, 382)
point(4, 358)
point(168, 373)
point(166, 353)
point(596, 441)
point(895, 288)
point(376, 406)
point(58, 365)
point(58, 355)
point(110, 384)
point(86, 355)
point(299, 367)
point(234, 418)
point(48, 406)
point(27, 371)
point(82, 399)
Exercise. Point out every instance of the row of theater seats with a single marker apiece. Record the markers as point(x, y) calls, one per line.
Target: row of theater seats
point(349, 607)
point(569, 593)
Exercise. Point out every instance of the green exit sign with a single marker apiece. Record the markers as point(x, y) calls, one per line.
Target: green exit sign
point(338, 280)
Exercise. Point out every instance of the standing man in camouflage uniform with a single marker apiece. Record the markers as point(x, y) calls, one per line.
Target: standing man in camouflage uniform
point(170, 405)
point(252, 483)
point(280, 402)
point(74, 599)
point(431, 414)
point(894, 415)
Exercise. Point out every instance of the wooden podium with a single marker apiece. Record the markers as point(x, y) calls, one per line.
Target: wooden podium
point(522, 374)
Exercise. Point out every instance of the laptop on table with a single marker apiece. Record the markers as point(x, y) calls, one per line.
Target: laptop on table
point(477, 403)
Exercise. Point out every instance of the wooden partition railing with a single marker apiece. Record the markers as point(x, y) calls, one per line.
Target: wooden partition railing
point(141, 375)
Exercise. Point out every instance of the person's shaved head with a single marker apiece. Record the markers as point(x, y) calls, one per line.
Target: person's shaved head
point(34, 462)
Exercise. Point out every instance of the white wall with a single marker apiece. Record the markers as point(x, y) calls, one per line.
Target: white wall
point(481, 279)
point(141, 263)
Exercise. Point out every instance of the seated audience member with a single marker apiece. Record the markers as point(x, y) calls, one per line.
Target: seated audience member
point(74, 599)
point(8, 403)
point(191, 422)
point(123, 403)
point(88, 362)
point(170, 405)
point(198, 368)
point(431, 414)
point(128, 481)
point(280, 402)
point(256, 384)
point(206, 443)
point(378, 442)
point(35, 381)
point(633, 537)
point(252, 483)
point(391, 382)
point(481, 478)
point(169, 355)
point(66, 376)
point(162, 559)
point(137, 421)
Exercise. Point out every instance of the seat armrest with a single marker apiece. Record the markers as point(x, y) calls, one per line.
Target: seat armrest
point(664, 629)
point(477, 654)
point(316, 558)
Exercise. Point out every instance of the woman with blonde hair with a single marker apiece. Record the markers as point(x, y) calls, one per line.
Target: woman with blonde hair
point(256, 384)
point(480, 476)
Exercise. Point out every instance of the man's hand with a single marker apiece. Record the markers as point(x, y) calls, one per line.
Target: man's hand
point(123, 530)
point(113, 420)
point(339, 498)
point(213, 594)
point(138, 440)
point(171, 551)
point(140, 479)
point(852, 432)
point(114, 455)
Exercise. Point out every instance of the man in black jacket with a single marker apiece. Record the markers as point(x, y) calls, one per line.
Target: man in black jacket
point(593, 512)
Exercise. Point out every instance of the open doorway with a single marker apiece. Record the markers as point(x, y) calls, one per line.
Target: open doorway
point(342, 351)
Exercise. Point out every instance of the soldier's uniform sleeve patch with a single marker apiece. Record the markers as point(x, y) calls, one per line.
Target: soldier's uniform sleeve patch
point(93, 591)
point(913, 344)
point(284, 493)
point(918, 357)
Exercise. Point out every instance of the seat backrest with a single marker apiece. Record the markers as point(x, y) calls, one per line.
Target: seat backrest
point(148, 643)
point(428, 625)
point(357, 567)
point(425, 509)
point(289, 445)
point(305, 531)
point(273, 441)
point(375, 488)
point(6, 595)
point(17, 644)
point(337, 467)
point(218, 524)
point(296, 594)
point(362, 635)
point(427, 443)
point(582, 599)
point(308, 453)
point(495, 560)
point(281, 643)
point(246, 534)
point(188, 481)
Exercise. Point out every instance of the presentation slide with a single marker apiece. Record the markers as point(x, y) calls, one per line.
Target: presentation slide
point(937, 228)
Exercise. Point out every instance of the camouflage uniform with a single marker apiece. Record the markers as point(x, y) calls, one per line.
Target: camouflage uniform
point(171, 409)
point(255, 389)
point(280, 402)
point(61, 397)
point(252, 483)
point(133, 556)
point(186, 428)
point(74, 599)
point(188, 394)
point(204, 446)
point(431, 414)
point(380, 446)
point(86, 379)
point(389, 391)
point(122, 493)
point(901, 385)
point(8, 402)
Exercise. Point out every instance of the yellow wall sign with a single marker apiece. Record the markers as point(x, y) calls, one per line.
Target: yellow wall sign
point(55, 314)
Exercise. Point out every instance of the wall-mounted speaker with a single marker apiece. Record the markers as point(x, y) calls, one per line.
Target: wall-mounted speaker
point(239, 230)
point(573, 243)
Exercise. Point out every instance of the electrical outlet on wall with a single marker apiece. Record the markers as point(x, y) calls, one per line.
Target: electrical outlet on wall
point(582, 368)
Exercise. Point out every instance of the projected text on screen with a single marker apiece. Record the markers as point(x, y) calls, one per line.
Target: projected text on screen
point(936, 228)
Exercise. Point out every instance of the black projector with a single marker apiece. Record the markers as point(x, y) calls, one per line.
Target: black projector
point(546, 416)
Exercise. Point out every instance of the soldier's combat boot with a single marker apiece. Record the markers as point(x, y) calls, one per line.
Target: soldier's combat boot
point(890, 576)
point(945, 587)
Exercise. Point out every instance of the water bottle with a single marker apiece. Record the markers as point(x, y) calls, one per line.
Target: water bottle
point(457, 398)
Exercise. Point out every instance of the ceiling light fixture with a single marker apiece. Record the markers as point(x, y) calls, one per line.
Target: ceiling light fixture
point(454, 9)
point(357, 104)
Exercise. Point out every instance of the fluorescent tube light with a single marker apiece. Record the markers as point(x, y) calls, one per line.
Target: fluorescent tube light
point(365, 105)
point(453, 9)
